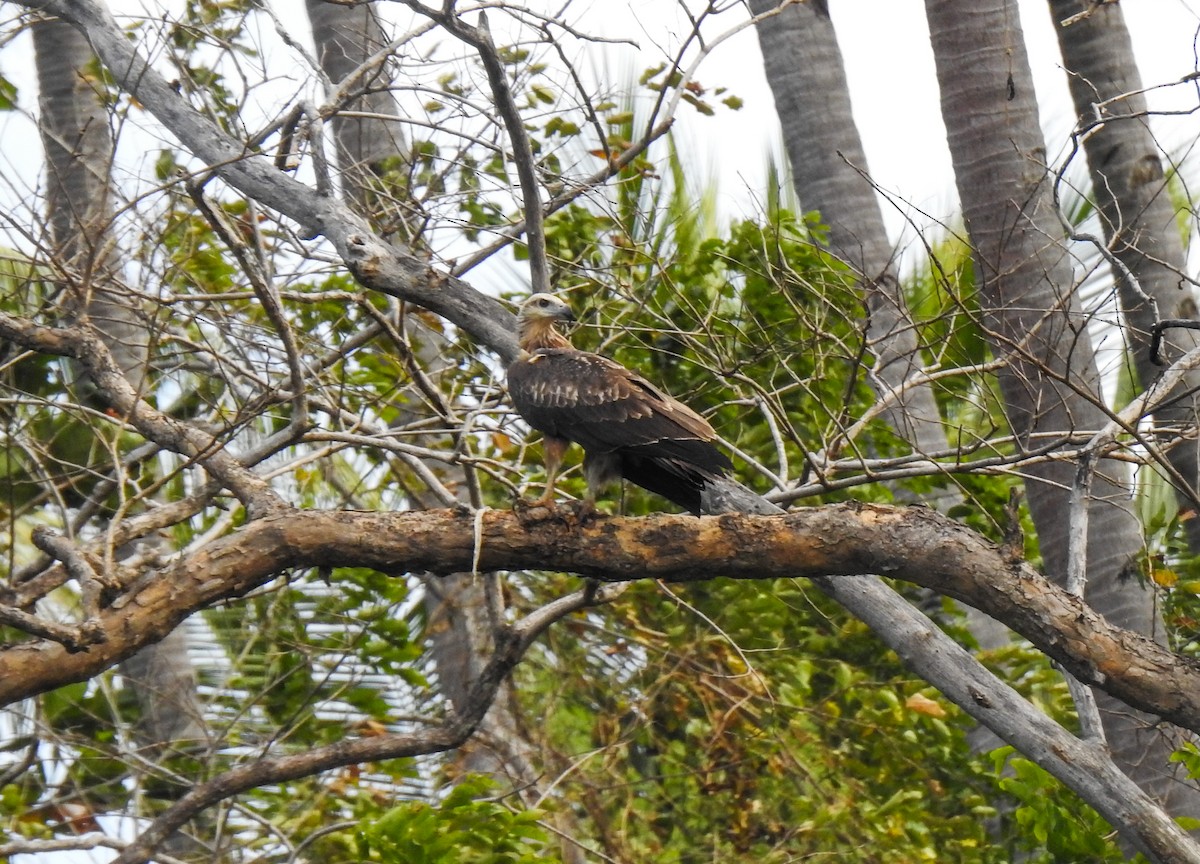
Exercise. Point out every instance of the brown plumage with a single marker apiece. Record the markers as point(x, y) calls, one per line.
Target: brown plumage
point(627, 427)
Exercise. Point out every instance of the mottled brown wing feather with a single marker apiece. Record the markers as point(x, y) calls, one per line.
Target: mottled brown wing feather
point(605, 407)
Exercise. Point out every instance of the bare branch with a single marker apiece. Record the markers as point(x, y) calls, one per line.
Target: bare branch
point(1082, 765)
point(85, 345)
point(73, 638)
point(921, 545)
point(1077, 556)
point(268, 296)
point(91, 840)
point(82, 571)
point(377, 264)
point(612, 168)
point(480, 38)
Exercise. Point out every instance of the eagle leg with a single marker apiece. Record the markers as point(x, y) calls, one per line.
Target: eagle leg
point(553, 449)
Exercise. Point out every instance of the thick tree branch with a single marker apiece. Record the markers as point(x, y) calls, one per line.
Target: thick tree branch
point(80, 569)
point(826, 542)
point(913, 544)
point(72, 637)
point(1084, 766)
point(933, 553)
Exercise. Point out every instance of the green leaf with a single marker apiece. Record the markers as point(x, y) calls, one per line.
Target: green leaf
point(8, 94)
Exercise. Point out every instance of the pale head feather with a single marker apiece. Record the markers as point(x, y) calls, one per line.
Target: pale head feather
point(542, 305)
point(536, 318)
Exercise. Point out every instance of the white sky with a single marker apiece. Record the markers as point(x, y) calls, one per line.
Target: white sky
point(889, 63)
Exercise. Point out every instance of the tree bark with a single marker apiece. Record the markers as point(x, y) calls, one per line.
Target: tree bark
point(379, 267)
point(1136, 214)
point(907, 543)
point(79, 151)
point(1034, 321)
point(373, 153)
point(1078, 764)
point(910, 543)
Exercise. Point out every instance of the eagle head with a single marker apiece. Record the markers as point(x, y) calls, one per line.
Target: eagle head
point(536, 319)
point(542, 306)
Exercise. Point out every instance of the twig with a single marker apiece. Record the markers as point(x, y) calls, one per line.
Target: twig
point(611, 169)
point(1105, 249)
point(82, 842)
point(85, 345)
point(1077, 553)
point(1156, 336)
point(269, 298)
point(315, 136)
point(82, 571)
point(492, 589)
point(480, 38)
point(1092, 6)
point(72, 638)
point(764, 410)
point(1148, 400)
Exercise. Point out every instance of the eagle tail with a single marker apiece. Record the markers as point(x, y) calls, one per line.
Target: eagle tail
point(678, 482)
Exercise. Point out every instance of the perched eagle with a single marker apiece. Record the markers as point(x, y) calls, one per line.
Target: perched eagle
point(628, 428)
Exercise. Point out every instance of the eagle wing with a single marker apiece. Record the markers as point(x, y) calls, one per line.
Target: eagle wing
point(606, 408)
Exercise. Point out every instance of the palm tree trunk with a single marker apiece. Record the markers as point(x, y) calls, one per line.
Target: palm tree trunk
point(1034, 320)
point(370, 147)
point(1136, 213)
point(808, 79)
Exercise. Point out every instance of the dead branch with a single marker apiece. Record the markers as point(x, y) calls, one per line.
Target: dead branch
point(84, 344)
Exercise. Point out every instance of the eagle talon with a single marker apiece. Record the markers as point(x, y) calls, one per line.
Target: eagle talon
point(585, 511)
point(532, 512)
